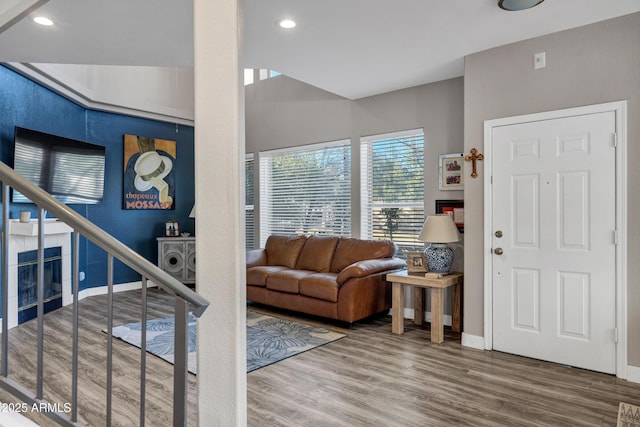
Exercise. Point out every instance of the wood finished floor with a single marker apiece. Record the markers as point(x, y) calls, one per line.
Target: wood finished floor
point(369, 378)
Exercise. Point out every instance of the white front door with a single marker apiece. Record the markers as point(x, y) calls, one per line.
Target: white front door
point(553, 226)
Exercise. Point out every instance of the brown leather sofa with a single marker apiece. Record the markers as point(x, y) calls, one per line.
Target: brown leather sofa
point(336, 277)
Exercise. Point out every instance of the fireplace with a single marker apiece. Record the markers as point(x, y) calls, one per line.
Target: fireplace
point(23, 238)
point(28, 282)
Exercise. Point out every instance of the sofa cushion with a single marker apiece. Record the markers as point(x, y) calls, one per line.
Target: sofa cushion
point(284, 250)
point(320, 285)
point(349, 251)
point(286, 280)
point(317, 253)
point(257, 276)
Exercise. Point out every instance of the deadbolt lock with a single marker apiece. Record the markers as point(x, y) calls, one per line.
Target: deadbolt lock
point(498, 234)
point(498, 251)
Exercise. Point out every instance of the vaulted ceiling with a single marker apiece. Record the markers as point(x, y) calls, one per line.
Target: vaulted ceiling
point(353, 48)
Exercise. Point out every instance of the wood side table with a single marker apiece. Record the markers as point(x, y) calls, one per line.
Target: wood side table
point(420, 283)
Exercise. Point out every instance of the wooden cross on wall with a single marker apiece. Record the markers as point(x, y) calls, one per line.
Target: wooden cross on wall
point(473, 158)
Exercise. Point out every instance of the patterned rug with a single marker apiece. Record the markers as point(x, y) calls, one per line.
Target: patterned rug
point(269, 339)
point(628, 415)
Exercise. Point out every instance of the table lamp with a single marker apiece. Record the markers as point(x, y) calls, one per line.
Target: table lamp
point(439, 230)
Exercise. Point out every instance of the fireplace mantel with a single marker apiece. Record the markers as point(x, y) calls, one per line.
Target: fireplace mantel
point(51, 226)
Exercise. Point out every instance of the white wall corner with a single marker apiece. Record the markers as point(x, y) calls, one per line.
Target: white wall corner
point(473, 341)
point(633, 374)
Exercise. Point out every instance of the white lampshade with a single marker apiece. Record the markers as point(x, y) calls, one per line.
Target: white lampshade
point(193, 212)
point(439, 228)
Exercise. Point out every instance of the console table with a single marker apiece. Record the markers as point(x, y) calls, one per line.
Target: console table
point(420, 283)
point(177, 256)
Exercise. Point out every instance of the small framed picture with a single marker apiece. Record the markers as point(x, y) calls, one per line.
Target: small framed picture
point(451, 168)
point(453, 208)
point(171, 229)
point(416, 263)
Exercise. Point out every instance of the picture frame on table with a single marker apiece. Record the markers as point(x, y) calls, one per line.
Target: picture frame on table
point(455, 209)
point(451, 171)
point(416, 262)
point(171, 229)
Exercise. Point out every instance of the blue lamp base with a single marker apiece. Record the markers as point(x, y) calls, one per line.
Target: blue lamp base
point(439, 258)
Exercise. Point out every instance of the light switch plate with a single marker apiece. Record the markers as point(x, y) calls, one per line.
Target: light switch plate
point(539, 60)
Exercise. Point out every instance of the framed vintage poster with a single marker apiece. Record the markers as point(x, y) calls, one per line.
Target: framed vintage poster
point(451, 171)
point(455, 209)
point(416, 263)
point(149, 165)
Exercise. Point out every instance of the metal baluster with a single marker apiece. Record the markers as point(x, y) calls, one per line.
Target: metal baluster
point(181, 348)
point(109, 337)
point(76, 309)
point(143, 351)
point(5, 281)
point(40, 269)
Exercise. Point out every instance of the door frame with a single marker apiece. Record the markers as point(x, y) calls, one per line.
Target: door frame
point(620, 109)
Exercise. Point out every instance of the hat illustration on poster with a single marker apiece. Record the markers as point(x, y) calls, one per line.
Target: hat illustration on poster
point(151, 167)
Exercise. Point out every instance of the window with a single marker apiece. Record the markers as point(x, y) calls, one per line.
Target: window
point(267, 74)
point(306, 190)
point(248, 76)
point(392, 188)
point(251, 75)
point(249, 211)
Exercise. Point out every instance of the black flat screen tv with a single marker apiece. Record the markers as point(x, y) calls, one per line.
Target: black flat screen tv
point(72, 171)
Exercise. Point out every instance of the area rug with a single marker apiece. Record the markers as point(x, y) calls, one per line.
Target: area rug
point(269, 339)
point(628, 415)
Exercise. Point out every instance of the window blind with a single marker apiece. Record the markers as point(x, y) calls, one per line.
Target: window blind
point(392, 188)
point(82, 178)
point(249, 207)
point(72, 177)
point(306, 190)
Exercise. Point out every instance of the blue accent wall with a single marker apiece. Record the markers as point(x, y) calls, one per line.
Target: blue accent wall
point(27, 104)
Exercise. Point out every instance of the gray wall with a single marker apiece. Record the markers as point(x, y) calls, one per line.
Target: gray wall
point(588, 65)
point(282, 112)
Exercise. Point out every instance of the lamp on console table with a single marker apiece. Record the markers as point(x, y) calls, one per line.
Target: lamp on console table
point(439, 230)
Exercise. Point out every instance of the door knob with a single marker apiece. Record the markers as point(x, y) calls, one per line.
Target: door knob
point(498, 251)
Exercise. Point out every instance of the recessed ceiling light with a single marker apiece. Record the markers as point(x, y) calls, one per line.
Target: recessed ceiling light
point(516, 5)
point(42, 20)
point(287, 23)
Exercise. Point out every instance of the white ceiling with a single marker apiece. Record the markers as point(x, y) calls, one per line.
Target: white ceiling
point(354, 48)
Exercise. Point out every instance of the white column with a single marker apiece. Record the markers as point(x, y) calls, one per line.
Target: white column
point(219, 175)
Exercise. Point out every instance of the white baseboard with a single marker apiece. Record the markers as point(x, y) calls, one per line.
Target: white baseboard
point(473, 341)
point(121, 287)
point(633, 374)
